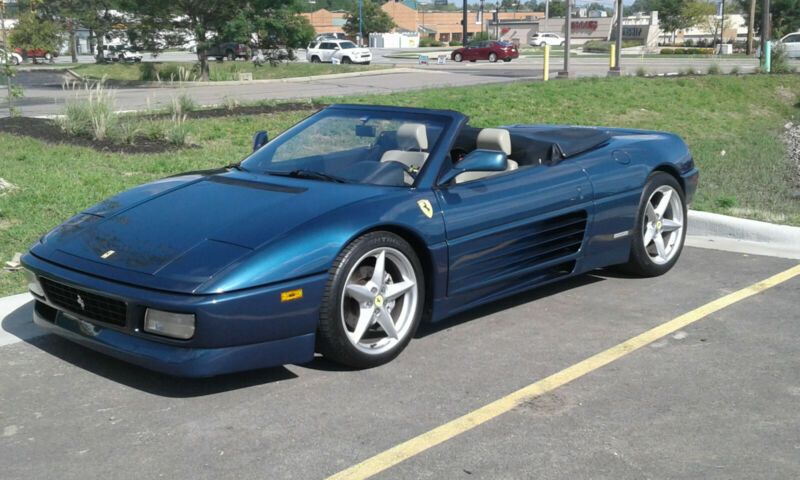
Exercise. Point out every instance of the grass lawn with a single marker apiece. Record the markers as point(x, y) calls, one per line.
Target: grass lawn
point(218, 70)
point(732, 124)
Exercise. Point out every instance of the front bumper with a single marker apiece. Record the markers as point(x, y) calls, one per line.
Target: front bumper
point(235, 331)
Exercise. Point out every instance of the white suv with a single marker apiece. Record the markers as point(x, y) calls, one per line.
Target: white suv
point(337, 51)
point(542, 39)
point(791, 44)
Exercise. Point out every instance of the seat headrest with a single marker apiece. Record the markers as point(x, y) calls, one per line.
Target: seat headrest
point(497, 139)
point(412, 136)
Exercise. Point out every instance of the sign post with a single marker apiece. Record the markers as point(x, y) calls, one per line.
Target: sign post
point(546, 73)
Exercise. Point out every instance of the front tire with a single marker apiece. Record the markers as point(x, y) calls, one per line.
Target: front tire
point(346, 60)
point(660, 229)
point(373, 301)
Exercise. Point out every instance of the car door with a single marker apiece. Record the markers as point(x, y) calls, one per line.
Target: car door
point(514, 229)
point(792, 45)
point(326, 51)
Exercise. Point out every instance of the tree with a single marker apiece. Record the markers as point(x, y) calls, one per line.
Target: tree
point(374, 19)
point(676, 15)
point(33, 33)
point(558, 8)
point(162, 23)
point(785, 15)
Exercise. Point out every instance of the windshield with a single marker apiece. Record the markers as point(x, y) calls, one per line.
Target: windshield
point(346, 45)
point(366, 147)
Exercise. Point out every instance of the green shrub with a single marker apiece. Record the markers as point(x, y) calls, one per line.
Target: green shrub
point(181, 104)
point(641, 72)
point(92, 115)
point(734, 70)
point(713, 69)
point(148, 71)
point(779, 61)
point(455, 43)
point(430, 42)
point(667, 51)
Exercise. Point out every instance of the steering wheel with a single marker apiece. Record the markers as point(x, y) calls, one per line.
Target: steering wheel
point(457, 154)
point(411, 171)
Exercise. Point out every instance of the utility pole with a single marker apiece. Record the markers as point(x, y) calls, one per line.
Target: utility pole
point(722, 27)
point(464, 24)
point(751, 23)
point(616, 70)
point(567, 40)
point(546, 9)
point(360, 22)
point(765, 24)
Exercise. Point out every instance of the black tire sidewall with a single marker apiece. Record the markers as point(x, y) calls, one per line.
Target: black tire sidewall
point(640, 262)
point(332, 339)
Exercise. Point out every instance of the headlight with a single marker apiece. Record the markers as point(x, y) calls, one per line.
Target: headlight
point(169, 324)
point(33, 283)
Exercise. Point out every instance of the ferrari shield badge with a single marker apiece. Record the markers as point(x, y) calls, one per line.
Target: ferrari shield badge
point(426, 208)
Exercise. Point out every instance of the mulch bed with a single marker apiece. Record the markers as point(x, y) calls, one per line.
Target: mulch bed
point(49, 131)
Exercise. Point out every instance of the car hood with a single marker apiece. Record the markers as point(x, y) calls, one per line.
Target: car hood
point(355, 51)
point(176, 234)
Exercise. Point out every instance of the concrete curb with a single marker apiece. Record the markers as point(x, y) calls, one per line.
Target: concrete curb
point(333, 76)
point(711, 230)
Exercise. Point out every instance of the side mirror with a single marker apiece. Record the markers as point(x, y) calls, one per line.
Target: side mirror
point(477, 161)
point(260, 139)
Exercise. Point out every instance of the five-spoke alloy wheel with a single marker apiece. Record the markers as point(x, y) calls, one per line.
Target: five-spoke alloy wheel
point(660, 227)
point(373, 302)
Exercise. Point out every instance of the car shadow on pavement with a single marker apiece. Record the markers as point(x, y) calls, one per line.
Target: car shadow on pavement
point(509, 302)
point(19, 324)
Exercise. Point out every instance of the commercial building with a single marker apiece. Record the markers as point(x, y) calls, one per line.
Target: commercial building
point(444, 26)
point(643, 28)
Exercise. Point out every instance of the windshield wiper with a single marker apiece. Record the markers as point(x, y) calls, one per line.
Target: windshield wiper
point(311, 174)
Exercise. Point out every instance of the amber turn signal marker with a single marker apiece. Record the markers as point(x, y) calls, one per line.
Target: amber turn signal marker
point(290, 295)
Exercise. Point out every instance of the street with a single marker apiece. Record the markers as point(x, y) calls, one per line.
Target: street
point(45, 94)
point(717, 399)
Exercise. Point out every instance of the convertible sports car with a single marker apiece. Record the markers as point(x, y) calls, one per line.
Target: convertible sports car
point(340, 235)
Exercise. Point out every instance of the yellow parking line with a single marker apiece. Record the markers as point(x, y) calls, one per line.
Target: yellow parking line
point(419, 444)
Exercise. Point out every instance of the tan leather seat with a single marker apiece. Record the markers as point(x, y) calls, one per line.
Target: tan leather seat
point(497, 139)
point(412, 140)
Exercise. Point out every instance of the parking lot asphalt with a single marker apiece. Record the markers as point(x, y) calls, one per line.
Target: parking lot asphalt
point(717, 399)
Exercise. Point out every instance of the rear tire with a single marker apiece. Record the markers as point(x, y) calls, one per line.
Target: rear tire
point(315, 59)
point(660, 229)
point(492, 57)
point(507, 60)
point(458, 57)
point(366, 317)
point(231, 56)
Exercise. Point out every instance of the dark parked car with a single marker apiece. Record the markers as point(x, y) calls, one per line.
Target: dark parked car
point(340, 235)
point(229, 50)
point(488, 50)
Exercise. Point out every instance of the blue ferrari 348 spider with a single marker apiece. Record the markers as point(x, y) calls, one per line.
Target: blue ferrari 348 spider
point(341, 234)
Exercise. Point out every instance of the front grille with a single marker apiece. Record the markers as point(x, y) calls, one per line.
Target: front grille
point(94, 307)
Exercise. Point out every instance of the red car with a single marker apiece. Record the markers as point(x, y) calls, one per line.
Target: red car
point(491, 50)
point(36, 54)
